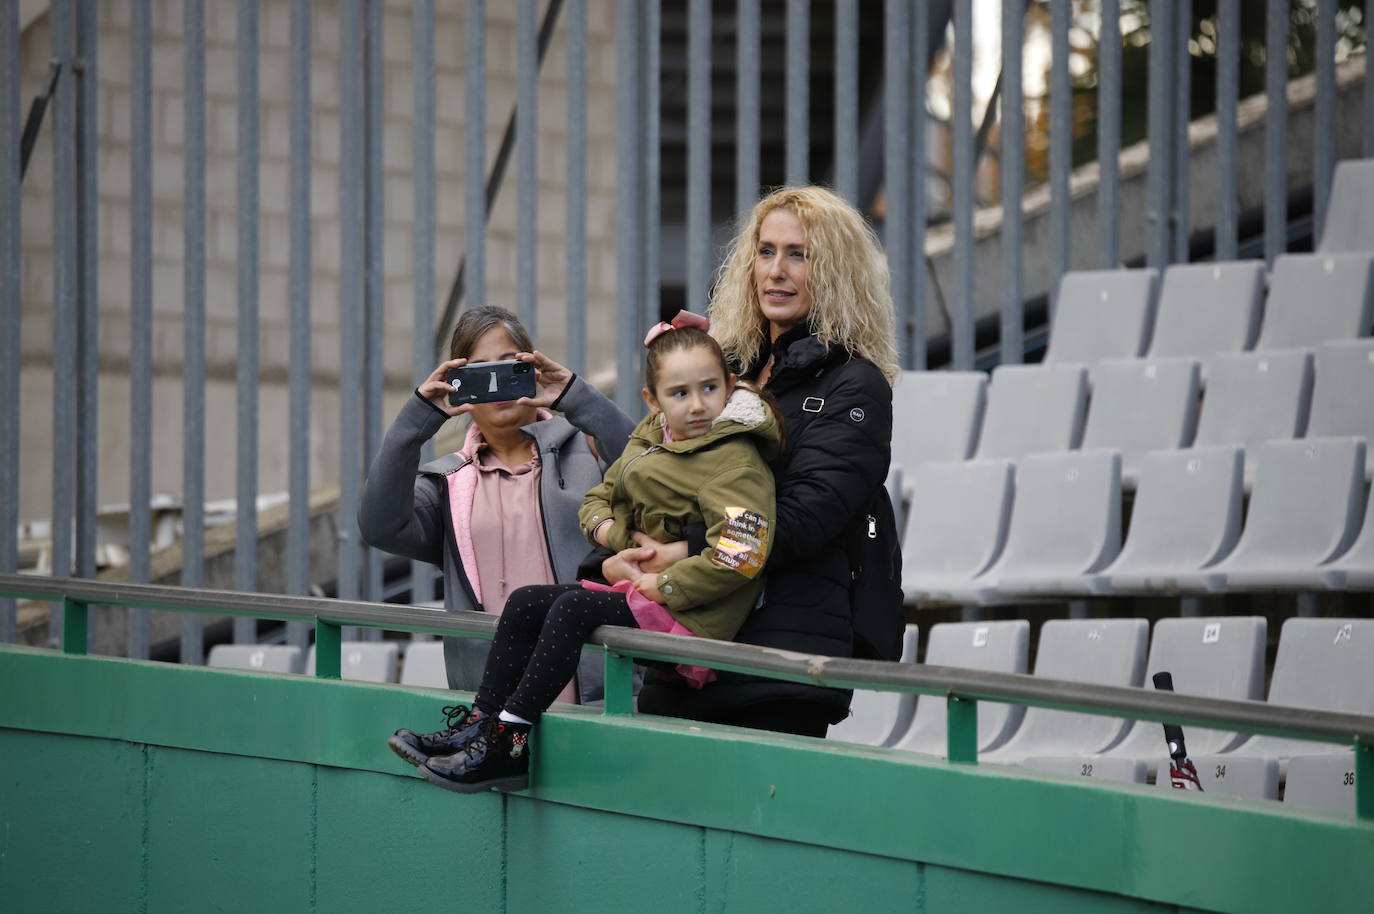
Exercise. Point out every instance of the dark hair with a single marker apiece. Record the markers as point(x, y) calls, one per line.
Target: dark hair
point(474, 322)
point(680, 340)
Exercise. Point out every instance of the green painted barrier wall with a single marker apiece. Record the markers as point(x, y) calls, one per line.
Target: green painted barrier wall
point(131, 786)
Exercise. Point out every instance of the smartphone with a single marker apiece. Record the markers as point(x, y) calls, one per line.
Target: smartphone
point(491, 382)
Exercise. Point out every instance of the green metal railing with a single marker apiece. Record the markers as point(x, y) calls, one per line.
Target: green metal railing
point(962, 688)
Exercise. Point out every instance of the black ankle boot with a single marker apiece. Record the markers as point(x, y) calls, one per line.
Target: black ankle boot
point(497, 757)
point(417, 748)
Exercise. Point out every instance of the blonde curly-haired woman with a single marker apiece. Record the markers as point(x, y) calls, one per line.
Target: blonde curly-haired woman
point(802, 307)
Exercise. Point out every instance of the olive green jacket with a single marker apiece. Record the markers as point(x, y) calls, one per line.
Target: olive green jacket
point(720, 479)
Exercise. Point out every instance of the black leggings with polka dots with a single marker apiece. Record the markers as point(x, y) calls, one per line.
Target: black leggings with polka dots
point(539, 642)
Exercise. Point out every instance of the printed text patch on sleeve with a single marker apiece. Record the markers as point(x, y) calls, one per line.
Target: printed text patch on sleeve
point(743, 543)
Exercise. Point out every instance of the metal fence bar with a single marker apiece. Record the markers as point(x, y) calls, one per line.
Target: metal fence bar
point(915, 357)
point(193, 326)
point(1367, 133)
point(474, 152)
point(11, 229)
point(64, 350)
point(87, 294)
point(141, 313)
point(628, 219)
point(1160, 99)
point(1182, 108)
point(577, 187)
point(1108, 134)
point(698, 153)
point(422, 238)
point(961, 118)
point(747, 105)
point(298, 371)
point(1013, 161)
point(798, 90)
point(1275, 130)
point(1061, 145)
point(374, 301)
point(1324, 139)
point(897, 152)
point(846, 143)
point(246, 427)
point(527, 163)
point(650, 192)
point(1228, 96)
point(351, 293)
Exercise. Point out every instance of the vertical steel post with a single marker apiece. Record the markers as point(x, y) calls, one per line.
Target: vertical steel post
point(961, 117)
point(246, 426)
point(328, 650)
point(75, 627)
point(798, 91)
point(620, 674)
point(1324, 137)
point(422, 240)
point(193, 329)
point(846, 141)
point(1276, 130)
point(1013, 181)
point(1108, 136)
point(915, 357)
point(141, 314)
point(527, 164)
point(576, 354)
point(1228, 94)
point(650, 194)
point(1182, 108)
point(298, 371)
point(11, 228)
point(87, 294)
point(628, 220)
point(961, 715)
point(1364, 781)
point(698, 153)
point(474, 152)
point(350, 296)
point(374, 301)
point(747, 106)
point(1061, 146)
point(64, 350)
point(1161, 99)
point(897, 153)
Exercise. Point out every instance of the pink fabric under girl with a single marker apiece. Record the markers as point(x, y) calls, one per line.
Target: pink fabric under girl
point(652, 617)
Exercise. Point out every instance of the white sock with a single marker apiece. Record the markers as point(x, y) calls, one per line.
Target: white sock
point(512, 718)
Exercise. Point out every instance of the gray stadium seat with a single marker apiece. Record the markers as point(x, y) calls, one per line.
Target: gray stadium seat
point(1318, 297)
point(955, 529)
point(367, 661)
point(1325, 781)
point(1141, 405)
point(1219, 657)
point(877, 718)
point(1321, 663)
point(1349, 224)
point(424, 665)
point(1033, 408)
point(1102, 651)
point(1065, 525)
point(997, 647)
point(1102, 314)
point(271, 658)
point(936, 415)
point(1305, 511)
point(1343, 394)
point(1354, 570)
point(895, 487)
point(1186, 517)
point(1254, 397)
point(1208, 308)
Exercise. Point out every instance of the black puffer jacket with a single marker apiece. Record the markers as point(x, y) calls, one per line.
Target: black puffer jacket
point(837, 413)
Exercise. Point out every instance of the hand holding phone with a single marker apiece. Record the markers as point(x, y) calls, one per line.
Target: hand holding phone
point(490, 382)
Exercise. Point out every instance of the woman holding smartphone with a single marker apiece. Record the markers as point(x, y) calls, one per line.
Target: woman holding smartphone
point(501, 512)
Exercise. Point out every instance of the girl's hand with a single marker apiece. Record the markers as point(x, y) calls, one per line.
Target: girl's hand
point(550, 379)
point(436, 390)
point(647, 584)
point(625, 565)
point(662, 555)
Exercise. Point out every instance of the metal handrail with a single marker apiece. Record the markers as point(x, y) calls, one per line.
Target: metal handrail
point(962, 687)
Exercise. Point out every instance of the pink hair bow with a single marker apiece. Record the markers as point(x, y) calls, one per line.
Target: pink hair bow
point(683, 319)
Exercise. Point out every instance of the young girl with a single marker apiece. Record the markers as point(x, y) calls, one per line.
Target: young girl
point(700, 457)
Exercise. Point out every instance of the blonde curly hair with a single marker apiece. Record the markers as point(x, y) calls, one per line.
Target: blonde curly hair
point(851, 305)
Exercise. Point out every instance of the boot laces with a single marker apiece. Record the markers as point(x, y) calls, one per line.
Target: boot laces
point(457, 716)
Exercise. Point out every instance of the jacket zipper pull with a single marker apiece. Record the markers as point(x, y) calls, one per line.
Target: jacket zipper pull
point(872, 527)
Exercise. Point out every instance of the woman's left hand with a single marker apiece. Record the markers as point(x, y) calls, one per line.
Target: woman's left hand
point(665, 554)
point(550, 379)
